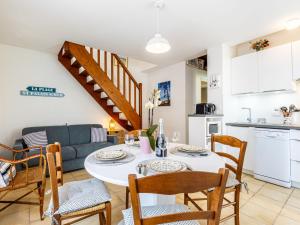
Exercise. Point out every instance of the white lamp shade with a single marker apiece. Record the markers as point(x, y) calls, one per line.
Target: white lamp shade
point(158, 45)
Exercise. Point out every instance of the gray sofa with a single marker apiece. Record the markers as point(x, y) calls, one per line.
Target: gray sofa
point(74, 139)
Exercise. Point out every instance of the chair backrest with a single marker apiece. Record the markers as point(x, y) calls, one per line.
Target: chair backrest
point(54, 160)
point(176, 183)
point(235, 143)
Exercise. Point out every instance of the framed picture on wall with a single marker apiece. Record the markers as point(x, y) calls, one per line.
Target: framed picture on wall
point(165, 93)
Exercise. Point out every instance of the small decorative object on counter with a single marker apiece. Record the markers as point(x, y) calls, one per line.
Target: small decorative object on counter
point(147, 140)
point(260, 45)
point(287, 113)
point(161, 141)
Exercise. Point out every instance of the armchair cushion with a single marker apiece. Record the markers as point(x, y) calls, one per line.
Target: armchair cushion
point(6, 169)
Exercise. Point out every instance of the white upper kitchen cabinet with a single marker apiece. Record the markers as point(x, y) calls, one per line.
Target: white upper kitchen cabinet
point(244, 74)
point(296, 60)
point(244, 134)
point(275, 69)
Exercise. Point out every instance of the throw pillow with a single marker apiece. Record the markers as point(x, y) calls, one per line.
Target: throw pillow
point(36, 139)
point(5, 170)
point(98, 134)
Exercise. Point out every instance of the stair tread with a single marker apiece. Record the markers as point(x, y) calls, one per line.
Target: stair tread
point(91, 82)
point(67, 54)
point(76, 64)
point(98, 90)
point(84, 73)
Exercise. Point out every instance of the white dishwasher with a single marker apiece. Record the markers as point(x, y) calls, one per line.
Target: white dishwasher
point(272, 156)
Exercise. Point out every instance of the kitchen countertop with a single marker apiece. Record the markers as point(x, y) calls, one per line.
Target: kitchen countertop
point(205, 115)
point(266, 125)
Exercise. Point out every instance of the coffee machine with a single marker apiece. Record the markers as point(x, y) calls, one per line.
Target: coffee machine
point(205, 108)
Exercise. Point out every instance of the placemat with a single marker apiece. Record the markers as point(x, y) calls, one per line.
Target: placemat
point(130, 157)
point(146, 171)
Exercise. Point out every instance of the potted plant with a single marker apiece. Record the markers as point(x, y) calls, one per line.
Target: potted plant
point(153, 103)
point(260, 45)
point(147, 141)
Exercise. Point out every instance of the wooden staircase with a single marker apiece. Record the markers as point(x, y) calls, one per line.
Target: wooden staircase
point(105, 77)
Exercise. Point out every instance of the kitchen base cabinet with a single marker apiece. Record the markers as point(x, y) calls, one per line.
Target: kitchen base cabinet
point(295, 173)
point(295, 157)
point(244, 134)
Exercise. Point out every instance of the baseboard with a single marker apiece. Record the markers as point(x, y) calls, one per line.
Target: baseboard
point(249, 172)
point(296, 184)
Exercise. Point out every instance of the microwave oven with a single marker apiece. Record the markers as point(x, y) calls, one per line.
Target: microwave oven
point(213, 127)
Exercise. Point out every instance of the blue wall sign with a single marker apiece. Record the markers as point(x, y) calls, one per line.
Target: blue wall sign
point(41, 91)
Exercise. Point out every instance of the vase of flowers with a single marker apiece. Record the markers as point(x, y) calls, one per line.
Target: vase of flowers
point(153, 103)
point(147, 141)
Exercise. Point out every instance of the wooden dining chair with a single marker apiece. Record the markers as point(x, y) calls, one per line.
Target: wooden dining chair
point(33, 178)
point(172, 184)
point(135, 134)
point(75, 200)
point(234, 181)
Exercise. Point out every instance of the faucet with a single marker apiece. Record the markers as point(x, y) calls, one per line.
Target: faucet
point(249, 119)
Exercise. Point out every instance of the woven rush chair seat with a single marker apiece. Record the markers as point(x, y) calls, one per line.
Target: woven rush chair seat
point(159, 210)
point(80, 196)
point(76, 200)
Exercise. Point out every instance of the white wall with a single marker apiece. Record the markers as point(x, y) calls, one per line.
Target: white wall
point(23, 67)
point(263, 105)
point(197, 77)
point(175, 116)
point(215, 68)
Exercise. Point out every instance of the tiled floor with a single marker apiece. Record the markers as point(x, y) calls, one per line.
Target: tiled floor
point(265, 204)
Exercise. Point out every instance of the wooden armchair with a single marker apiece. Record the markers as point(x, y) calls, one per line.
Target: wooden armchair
point(234, 180)
point(171, 184)
point(28, 176)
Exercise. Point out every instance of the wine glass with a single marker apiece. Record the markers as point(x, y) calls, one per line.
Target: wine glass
point(129, 139)
point(175, 137)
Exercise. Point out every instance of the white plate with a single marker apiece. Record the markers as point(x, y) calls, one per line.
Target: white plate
point(166, 165)
point(110, 155)
point(190, 148)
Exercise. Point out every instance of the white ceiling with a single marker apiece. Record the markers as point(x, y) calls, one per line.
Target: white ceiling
point(124, 26)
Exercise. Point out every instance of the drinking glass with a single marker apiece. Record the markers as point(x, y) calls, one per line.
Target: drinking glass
point(175, 137)
point(129, 139)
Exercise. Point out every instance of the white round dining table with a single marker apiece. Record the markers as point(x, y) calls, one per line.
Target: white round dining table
point(118, 174)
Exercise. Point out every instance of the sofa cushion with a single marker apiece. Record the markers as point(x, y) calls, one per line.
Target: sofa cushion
point(81, 134)
point(36, 139)
point(54, 133)
point(98, 134)
point(86, 149)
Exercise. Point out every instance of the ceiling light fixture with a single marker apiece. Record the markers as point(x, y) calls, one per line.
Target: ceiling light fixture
point(292, 24)
point(158, 44)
